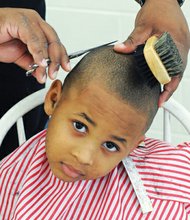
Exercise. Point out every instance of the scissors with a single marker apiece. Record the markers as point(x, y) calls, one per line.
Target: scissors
point(71, 56)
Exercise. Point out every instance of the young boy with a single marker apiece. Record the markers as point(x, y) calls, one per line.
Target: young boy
point(74, 170)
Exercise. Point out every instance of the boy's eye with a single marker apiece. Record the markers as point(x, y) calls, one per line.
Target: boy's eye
point(110, 146)
point(80, 126)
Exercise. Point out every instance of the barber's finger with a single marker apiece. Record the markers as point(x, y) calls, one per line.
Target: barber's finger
point(138, 36)
point(37, 46)
point(25, 61)
point(58, 56)
point(40, 75)
point(65, 62)
point(169, 90)
point(56, 50)
point(165, 95)
point(55, 57)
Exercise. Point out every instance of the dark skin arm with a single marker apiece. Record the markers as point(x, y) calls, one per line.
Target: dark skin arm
point(25, 38)
point(154, 18)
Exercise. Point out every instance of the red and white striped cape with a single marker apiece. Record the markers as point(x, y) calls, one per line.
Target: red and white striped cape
point(30, 191)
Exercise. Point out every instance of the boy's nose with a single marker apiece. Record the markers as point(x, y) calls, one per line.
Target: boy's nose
point(84, 154)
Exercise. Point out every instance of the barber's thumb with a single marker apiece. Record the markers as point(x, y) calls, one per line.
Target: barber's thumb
point(165, 95)
point(127, 46)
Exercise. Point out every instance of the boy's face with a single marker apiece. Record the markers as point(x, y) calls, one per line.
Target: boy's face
point(90, 132)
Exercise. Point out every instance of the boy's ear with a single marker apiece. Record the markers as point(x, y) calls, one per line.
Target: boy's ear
point(141, 142)
point(52, 97)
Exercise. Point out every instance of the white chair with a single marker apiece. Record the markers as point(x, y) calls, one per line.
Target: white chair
point(175, 109)
point(14, 115)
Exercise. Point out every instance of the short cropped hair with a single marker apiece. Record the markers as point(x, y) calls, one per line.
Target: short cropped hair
point(120, 75)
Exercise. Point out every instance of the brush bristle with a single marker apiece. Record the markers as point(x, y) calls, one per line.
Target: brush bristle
point(142, 67)
point(169, 55)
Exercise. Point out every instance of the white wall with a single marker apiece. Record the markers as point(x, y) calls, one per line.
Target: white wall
point(83, 23)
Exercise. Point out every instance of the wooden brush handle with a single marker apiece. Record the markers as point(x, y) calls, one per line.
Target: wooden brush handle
point(154, 62)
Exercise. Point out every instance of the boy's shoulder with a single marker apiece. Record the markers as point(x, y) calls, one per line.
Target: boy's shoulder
point(164, 169)
point(32, 148)
point(157, 148)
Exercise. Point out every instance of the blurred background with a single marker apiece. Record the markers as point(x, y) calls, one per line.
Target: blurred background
point(82, 24)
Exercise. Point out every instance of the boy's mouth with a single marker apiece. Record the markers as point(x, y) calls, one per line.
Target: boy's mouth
point(71, 171)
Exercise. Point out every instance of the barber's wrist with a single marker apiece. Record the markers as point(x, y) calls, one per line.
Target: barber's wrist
point(141, 2)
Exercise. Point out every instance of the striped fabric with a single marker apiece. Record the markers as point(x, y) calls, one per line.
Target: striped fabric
point(30, 191)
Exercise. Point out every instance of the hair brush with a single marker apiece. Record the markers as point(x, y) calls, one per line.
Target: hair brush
point(159, 59)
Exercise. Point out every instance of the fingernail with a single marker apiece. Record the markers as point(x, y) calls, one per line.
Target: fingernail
point(30, 66)
point(44, 78)
point(160, 104)
point(44, 63)
point(121, 46)
point(54, 75)
point(68, 66)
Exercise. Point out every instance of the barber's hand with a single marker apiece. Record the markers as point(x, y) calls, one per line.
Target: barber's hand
point(25, 38)
point(154, 18)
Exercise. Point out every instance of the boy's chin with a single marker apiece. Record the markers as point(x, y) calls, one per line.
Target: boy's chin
point(63, 177)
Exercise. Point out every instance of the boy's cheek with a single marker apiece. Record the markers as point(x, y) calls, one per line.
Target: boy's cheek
point(103, 166)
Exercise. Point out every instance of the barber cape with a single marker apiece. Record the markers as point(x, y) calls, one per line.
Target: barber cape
point(30, 191)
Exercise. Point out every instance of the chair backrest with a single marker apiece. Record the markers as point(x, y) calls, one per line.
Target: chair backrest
point(175, 109)
point(15, 114)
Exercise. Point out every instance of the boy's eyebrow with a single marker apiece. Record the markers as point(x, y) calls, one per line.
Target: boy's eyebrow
point(85, 116)
point(122, 140)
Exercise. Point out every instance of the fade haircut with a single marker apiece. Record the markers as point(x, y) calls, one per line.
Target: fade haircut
point(120, 76)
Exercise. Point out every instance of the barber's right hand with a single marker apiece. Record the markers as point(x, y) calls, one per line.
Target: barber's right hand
point(154, 18)
point(25, 39)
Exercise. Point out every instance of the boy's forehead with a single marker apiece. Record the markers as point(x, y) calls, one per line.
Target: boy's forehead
point(97, 100)
point(96, 93)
